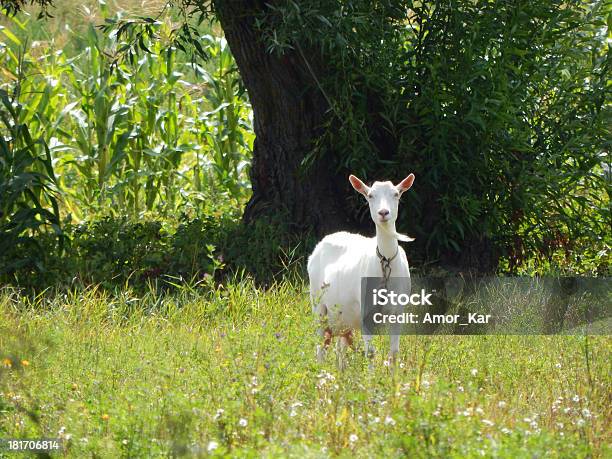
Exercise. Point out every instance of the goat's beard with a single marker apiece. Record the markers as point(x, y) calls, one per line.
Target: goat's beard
point(390, 230)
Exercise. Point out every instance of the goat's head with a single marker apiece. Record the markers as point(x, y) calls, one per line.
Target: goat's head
point(383, 198)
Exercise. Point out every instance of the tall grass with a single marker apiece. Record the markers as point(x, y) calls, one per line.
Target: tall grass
point(229, 371)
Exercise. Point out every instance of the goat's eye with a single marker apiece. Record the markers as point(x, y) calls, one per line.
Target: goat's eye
point(370, 196)
point(396, 195)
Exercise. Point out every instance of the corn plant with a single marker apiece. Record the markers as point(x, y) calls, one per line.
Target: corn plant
point(28, 191)
point(225, 128)
point(161, 137)
point(151, 133)
point(99, 132)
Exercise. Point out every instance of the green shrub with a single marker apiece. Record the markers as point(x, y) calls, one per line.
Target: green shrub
point(265, 249)
point(117, 251)
point(120, 250)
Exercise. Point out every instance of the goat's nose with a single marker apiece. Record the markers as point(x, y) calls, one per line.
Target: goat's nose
point(383, 212)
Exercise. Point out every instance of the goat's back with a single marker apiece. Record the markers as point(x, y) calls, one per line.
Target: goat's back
point(337, 264)
point(332, 248)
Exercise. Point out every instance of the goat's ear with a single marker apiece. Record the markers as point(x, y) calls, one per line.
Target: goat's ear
point(405, 184)
point(359, 185)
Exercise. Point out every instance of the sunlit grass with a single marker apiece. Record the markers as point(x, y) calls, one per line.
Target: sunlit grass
point(233, 372)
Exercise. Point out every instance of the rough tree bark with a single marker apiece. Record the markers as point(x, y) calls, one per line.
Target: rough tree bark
point(288, 111)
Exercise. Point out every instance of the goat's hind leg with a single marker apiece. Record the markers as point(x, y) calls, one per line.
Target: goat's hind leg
point(344, 342)
point(347, 338)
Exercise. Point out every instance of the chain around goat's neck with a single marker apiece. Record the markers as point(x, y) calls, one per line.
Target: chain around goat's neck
point(385, 264)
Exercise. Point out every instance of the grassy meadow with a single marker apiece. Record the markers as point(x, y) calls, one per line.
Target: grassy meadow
point(232, 372)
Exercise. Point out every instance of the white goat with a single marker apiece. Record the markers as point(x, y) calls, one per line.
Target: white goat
point(340, 260)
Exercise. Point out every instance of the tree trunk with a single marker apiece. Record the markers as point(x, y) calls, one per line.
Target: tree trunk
point(288, 111)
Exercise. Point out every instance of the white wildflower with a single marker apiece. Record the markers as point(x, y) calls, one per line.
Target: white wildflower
point(389, 421)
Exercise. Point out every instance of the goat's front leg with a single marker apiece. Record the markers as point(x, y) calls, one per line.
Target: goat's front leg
point(369, 348)
point(394, 341)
